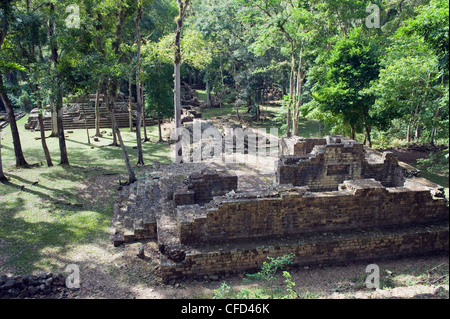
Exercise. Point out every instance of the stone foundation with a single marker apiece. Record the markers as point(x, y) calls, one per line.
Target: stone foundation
point(312, 249)
point(323, 164)
point(334, 200)
point(357, 205)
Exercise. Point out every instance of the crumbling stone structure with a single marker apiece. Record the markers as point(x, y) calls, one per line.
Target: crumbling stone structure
point(323, 164)
point(333, 200)
point(80, 113)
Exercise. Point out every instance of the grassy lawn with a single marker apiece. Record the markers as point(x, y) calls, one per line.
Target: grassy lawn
point(44, 212)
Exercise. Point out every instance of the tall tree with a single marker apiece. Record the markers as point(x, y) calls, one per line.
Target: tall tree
point(352, 65)
point(57, 84)
point(6, 14)
point(139, 108)
point(182, 9)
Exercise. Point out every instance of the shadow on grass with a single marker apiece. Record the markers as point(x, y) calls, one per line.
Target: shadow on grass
point(26, 238)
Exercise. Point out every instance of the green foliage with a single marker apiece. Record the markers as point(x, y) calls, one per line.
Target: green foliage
point(195, 50)
point(268, 275)
point(432, 23)
point(436, 163)
point(158, 88)
point(351, 66)
point(270, 268)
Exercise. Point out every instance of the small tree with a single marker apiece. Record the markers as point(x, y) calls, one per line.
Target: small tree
point(352, 65)
point(159, 101)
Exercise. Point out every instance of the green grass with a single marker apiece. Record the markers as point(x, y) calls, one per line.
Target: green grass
point(42, 221)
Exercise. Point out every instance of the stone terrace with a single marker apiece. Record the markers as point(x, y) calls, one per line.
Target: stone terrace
point(215, 218)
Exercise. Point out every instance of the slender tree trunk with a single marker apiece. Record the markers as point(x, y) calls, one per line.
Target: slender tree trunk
point(299, 95)
point(54, 118)
point(86, 125)
point(408, 130)
point(291, 94)
point(144, 124)
point(43, 141)
point(130, 106)
point(131, 174)
point(54, 59)
point(20, 159)
point(182, 7)
point(236, 87)
point(62, 140)
point(208, 94)
point(110, 104)
point(418, 131)
point(434, 130)
point(160, 139)
point(367, 135)
point(58, 94)
point(2, 175)
point(97, 114)
point(352, 133)
point(139, 90)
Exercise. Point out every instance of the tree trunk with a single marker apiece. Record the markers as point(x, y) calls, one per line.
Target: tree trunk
point(64, 160)
point(2, 175)
point(144, 124)
point(85, 125)
point(182, 7)
point(20, 159)
point(110, 104)
point(367, 135)
point(352, 133)
point(54, 119)
point(434, 130)
point(236, 87)
point(408, 130)
point(54, 59)
point(139, 90)
point(131, 174)
point(418, 131)
point(160, 139)
point(208, 94)
point(43, 141)
point(291, 93)
point(97, 113)
point(58, 94)
point(299, 93)
point(130, 106)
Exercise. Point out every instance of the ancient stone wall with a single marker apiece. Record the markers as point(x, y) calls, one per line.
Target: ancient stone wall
point(341, 247)
point(201, 187)
point(323, 164)
point(358, 204)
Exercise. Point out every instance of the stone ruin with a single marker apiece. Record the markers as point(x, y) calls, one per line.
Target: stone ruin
point(80, 113)
point(332, 200)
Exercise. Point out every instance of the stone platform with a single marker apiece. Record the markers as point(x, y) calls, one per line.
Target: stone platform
point(211, 218)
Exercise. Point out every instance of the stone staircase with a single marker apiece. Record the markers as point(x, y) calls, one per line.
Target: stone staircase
point(135, 211)
point(82, 114)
